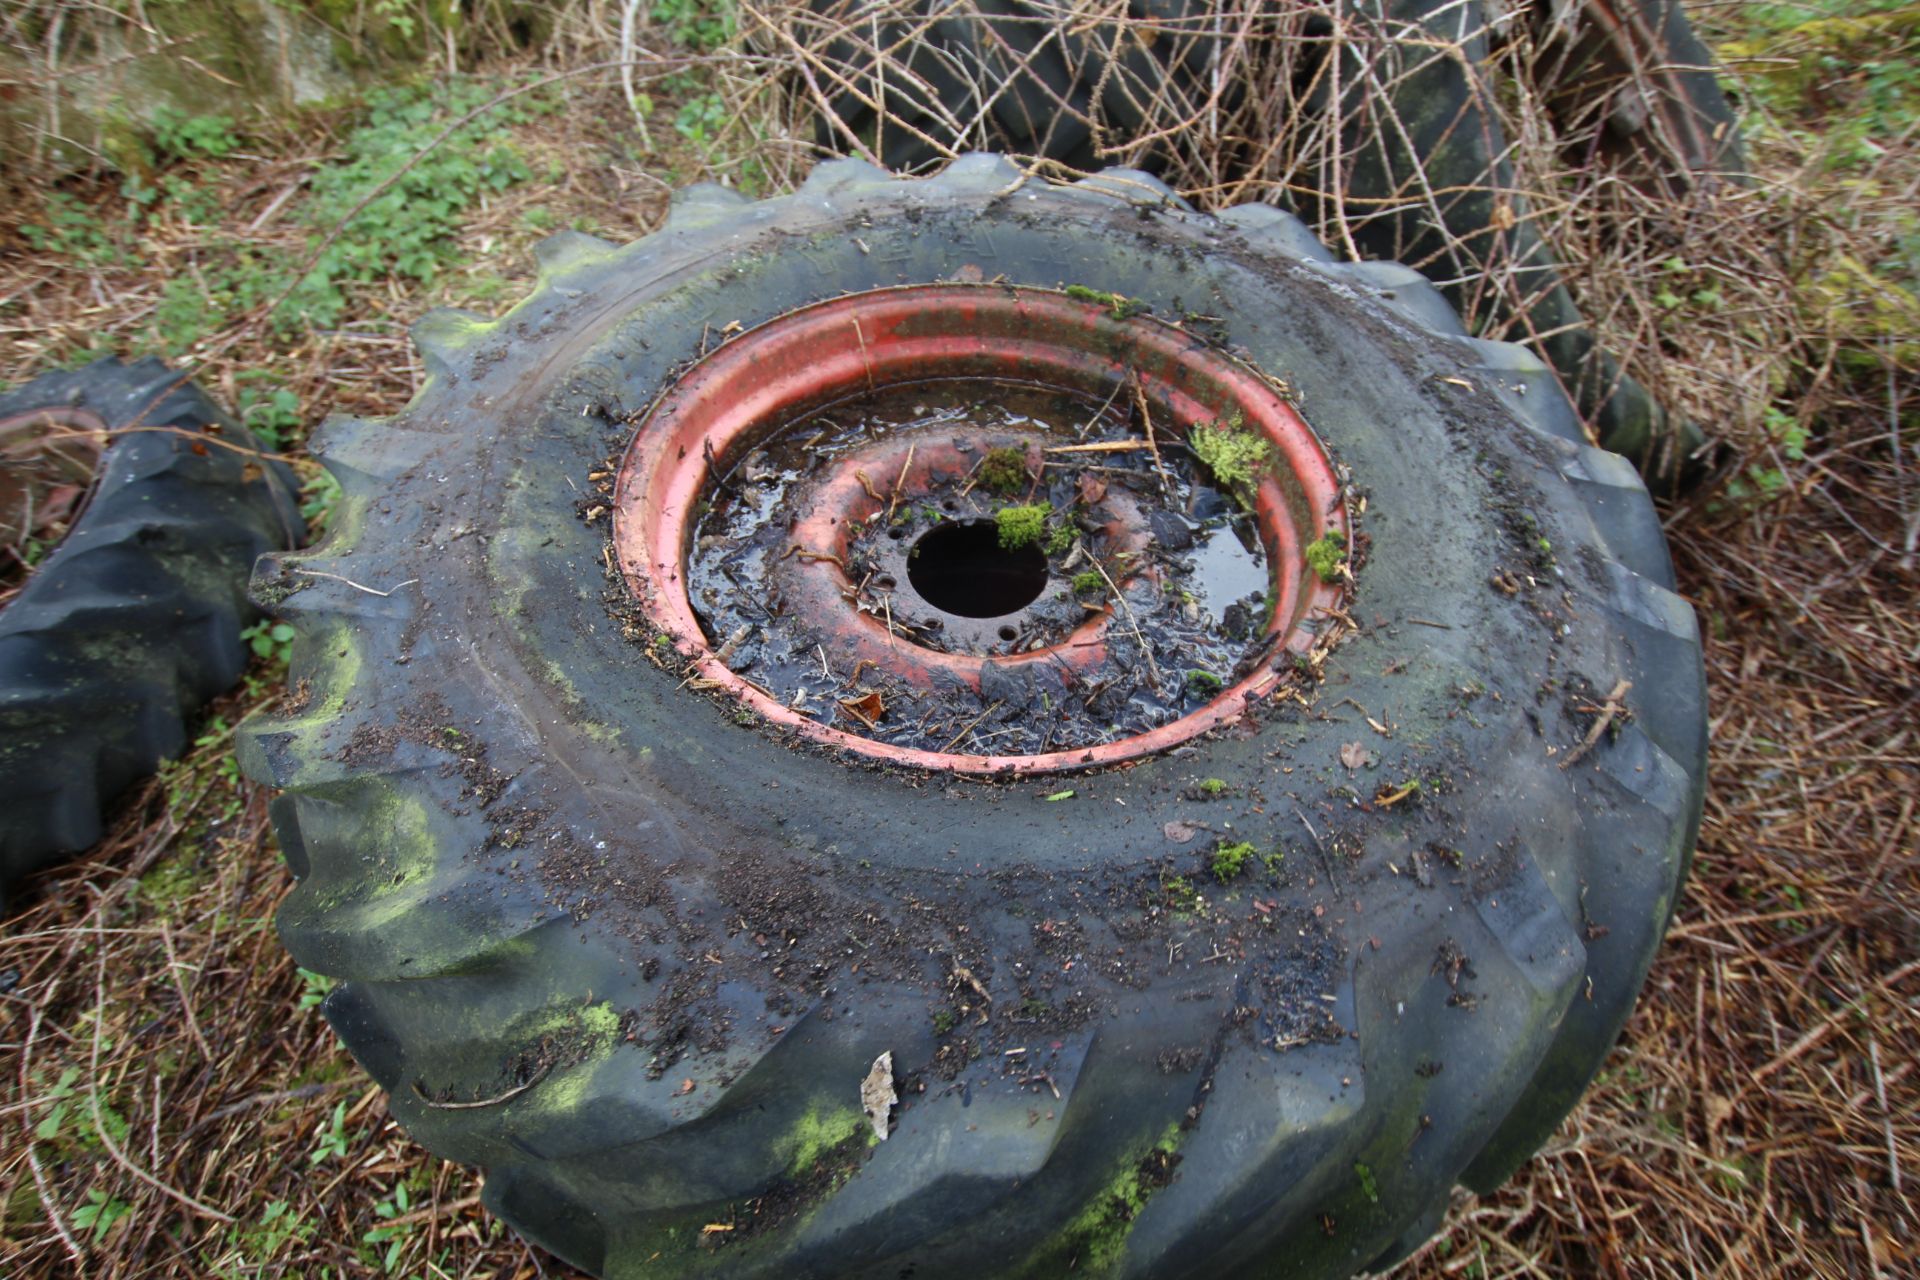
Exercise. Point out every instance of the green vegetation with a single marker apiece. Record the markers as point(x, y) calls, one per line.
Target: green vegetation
point(1203, 684)
point(270, 640)
point(1213, 786)
point(1088, 582)
point(1003, 471)
point(1095, 1241)
point(1236, 456)
point(1327, 554)
point(1119, 306)
point(1229, 860)
point(183, 137)
point(699, 25)
point(1021, 526)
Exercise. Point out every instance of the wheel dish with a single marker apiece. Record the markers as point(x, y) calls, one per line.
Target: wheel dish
point(981, 337)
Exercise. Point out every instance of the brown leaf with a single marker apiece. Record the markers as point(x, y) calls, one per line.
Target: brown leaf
point(877, 1097)
point(1180, 832)
point(1355, 756)
point(1092, 489)
point(868, 709)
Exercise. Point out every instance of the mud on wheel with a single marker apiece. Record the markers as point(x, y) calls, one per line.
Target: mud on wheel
point(715, 868)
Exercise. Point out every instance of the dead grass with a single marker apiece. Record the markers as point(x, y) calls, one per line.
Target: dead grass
point(1760, 1117)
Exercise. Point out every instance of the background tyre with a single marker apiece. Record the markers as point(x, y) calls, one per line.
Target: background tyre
point(1424, 174)
point(639, 948)
point(134, 619)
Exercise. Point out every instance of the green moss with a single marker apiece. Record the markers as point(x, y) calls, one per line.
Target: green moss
point(1236, 457)
point(1086, 584)
point(1213, 786)
point(1119, 306)
point(819, 1133)
point(1061, 540)
point(1368, 1187)
point(1021, 526)
point(1203, 684)
point(1229, 860)
point(1326, 554)
point(1003, 471)
point(1094, 1242)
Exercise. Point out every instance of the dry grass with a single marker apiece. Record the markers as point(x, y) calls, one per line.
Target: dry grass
point(1761, 1115)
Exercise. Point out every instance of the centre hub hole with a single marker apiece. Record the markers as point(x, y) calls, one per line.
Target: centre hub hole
point(962, 569)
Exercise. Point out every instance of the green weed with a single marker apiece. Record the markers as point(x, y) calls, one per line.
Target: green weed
point(180, 136)
point(99, 1213)
point(270, 640)
point(332, 1142)
point(700, 25)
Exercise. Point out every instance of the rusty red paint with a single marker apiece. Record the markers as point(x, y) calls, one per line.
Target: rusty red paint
point(840, 349)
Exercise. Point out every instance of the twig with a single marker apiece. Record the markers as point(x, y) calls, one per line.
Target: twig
point(357, 586)
point(1607, 713)
point(968, 728)
point(93, 1105)
point(508, 1096)
point(47, 1201)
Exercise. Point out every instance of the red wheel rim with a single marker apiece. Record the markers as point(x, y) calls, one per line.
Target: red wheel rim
point(818, 355)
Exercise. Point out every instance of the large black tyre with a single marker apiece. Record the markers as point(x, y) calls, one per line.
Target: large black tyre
point(135, 618)
point(1426, 174)
point(636, 958)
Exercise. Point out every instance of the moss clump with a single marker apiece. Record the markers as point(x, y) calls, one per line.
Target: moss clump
point(1203, 684)
point(1021, 526)
point(1086, 584)
point(1119, 306)
point(1236, 457)
point(1095, 1242)
point(1229, 860)
point(1061, 540)
point(818, 1134)
point(1326, 554)
point(1213, 786)
point(1003, 470)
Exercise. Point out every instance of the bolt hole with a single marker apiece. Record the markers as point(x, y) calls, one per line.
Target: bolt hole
point(963, 569)
point(885, 582)
point(1008, 633)
point(896, 534)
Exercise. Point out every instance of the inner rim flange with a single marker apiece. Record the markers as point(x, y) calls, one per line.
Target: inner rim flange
point(817, 355)
point(814, 583)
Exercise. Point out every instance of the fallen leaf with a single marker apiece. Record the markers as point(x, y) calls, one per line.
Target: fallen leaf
point(686, 1086)
point(1180, 832)
point(1355, 756)
point(867, 709)
point(1060, 795)
point(876, 1093)
point(1092, 489)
